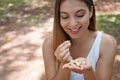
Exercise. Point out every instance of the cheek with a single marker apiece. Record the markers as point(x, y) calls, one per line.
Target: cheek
point(63, 23)
point(86, 22)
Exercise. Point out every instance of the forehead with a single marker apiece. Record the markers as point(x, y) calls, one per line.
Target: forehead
point(72, 5)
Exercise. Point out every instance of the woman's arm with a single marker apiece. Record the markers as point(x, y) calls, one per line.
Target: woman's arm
point(90, 74)
point(107, 54)
point(50, 66)
point(104, 65)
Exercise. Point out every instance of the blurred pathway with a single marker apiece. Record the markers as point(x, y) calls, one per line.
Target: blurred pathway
point(20, 51)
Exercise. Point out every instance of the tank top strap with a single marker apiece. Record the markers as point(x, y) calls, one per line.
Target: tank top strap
point(93, 55)
point(97, 45)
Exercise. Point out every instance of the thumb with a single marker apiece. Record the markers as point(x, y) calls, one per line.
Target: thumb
point(70, 58)
point(65, 66)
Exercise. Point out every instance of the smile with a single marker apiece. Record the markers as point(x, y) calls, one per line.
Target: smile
point(75, 30)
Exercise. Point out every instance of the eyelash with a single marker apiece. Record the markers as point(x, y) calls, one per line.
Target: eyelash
point(77, 16)
point(64, 17)
point(80, 16)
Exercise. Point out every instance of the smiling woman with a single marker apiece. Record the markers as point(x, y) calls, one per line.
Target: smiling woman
point(73, 19)
point(76, 50)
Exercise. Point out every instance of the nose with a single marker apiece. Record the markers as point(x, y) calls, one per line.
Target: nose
point(73, 22)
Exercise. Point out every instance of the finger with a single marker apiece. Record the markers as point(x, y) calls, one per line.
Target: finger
point(72, 67)
point(64, 45)
point(67, 57)
point(58, 58)
point(66, 66)
point(70, 58)
point(57, 55)
point(62, 54)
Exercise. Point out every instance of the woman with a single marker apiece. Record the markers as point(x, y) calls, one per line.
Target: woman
point(76, 51)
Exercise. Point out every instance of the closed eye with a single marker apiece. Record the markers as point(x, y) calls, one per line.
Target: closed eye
point(64, 17)
point(80, 16)
point(80, 13)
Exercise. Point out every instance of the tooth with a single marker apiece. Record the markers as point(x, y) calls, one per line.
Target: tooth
point(74, 29)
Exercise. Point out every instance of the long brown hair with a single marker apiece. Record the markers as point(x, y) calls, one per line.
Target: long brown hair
point(59, 35)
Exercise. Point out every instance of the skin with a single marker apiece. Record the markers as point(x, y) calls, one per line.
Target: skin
point(74, 19)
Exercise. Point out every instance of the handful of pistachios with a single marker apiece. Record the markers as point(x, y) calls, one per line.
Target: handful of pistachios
point(77, 62)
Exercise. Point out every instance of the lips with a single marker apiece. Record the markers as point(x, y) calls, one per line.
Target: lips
point(75, 30)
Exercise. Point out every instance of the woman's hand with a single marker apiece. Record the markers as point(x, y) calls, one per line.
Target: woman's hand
point(79, 65)
point(62, 52)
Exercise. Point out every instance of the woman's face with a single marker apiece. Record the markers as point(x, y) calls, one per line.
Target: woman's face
point(74, 17)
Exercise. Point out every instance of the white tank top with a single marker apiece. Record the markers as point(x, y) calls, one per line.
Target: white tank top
point(92, 56)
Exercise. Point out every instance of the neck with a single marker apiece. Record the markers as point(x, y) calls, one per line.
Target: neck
point(83, 39)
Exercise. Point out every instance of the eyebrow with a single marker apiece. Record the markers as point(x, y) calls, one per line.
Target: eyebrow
point(76, 11)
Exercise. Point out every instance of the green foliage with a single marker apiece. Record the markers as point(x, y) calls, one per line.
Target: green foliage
point(109, 24)
point(14, 8)
point(6, 5)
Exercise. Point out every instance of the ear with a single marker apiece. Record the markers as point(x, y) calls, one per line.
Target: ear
point(91, 12)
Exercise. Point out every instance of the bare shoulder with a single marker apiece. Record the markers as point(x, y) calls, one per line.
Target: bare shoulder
point(47, 45)
point(47, 42)
point(108, 40)
point(108, 44)
point(47, 50)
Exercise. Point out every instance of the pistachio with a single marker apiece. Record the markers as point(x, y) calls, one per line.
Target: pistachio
point(77, 62)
